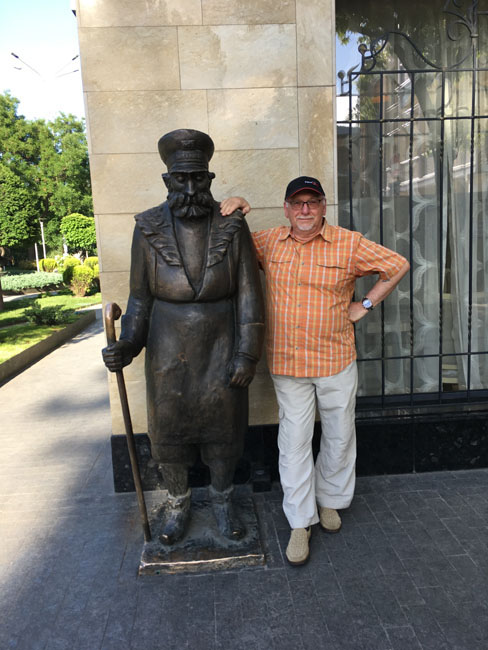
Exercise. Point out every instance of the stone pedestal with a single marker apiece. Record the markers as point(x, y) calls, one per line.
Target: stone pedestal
point(203, 548)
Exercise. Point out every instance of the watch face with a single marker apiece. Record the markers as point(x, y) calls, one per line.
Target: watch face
point(367, 304)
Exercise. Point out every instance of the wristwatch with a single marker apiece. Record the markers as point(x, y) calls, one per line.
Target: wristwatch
point(367, 304)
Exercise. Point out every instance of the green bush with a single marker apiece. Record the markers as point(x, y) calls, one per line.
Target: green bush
point(69, 264)
point(91, 262)
point(54, 315)
point(36, 280)
point(47, 264)
point(82, 280)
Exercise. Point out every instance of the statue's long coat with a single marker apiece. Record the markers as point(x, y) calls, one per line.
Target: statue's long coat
point(192, 333)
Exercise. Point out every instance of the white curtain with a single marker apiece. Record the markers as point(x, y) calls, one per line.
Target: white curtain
point(434, 205)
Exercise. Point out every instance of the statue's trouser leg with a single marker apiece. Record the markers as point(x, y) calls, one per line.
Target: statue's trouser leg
point(220, 492)
point(175, 477)
point(174, 463)
point(221, 472)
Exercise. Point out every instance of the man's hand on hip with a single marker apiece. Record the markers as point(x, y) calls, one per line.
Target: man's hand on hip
point(356, 311)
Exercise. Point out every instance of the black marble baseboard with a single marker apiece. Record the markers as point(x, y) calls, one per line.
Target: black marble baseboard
point(395, 445)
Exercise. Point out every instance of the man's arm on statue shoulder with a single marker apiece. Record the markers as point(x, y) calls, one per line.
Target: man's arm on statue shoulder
point(228, 207)
point(233, 203)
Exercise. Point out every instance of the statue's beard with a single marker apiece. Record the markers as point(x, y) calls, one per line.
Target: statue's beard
point(184, 206)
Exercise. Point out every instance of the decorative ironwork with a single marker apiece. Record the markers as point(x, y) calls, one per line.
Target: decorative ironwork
point(468, 21)
point(367, 176)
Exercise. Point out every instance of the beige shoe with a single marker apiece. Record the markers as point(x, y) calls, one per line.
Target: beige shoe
point(297, 551)
point(330, 520)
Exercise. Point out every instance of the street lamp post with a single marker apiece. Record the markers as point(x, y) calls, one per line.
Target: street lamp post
point(42, 238)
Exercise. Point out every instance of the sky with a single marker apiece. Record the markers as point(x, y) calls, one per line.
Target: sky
point(43, 33)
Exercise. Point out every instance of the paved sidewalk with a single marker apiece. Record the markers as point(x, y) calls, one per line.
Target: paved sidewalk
point(409, 570)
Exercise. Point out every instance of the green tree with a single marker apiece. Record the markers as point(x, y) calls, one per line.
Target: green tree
point(79, 233)
point(63, 170)
point(19, 209)
point(19, 139)
point(50, 162)
point(19, 156)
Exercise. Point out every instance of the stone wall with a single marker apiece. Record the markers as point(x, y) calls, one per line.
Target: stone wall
point(257, 75)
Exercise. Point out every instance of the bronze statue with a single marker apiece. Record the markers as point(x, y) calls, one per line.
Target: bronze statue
point(196, 304)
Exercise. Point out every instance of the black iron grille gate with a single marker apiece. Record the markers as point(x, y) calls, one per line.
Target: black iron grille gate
point(413, 171)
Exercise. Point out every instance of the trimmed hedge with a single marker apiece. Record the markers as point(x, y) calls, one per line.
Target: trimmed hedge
point(69, 264)
point(48, 264)
point(91, 262)
point(82, 280)
point(36, 280)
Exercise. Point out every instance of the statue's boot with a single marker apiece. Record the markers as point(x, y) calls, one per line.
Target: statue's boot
point(177, 514)
point(228, 522)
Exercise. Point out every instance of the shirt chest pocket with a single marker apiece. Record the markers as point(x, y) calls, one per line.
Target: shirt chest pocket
point(334, 275)
point(280, 265)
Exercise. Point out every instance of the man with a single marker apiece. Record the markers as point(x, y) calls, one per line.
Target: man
point(310, 269)
point(196, 305)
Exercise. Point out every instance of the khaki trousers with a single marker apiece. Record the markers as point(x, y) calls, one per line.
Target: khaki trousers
point(330, 482)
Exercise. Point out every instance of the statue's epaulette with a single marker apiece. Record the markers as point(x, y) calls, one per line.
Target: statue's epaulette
point(155, 224)
point(221, 235)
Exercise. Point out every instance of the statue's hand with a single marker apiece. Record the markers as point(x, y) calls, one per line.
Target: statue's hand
point(243, 371)
point(233, 203)
point(118, 355)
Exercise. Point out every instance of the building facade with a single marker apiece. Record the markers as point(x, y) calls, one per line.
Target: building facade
point(397, 133)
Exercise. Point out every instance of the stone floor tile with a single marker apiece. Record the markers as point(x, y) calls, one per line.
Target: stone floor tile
point(376, 503)
point(324, 581)
point(446, 542)
point(287, 642)
point(427, 629)
point(386, 605)
point(226, 585)
point(281, 616)
point(439, 603)
point(403, 638)
point(374, 638)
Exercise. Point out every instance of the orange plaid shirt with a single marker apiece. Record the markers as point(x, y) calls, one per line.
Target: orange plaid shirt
point(308, 291)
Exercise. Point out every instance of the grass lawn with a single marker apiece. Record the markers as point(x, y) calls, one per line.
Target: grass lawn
point(17, 335)
point(16, 339)
point(13, 312)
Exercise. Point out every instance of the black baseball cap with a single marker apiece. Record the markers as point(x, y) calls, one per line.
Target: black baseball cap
point(303, 183)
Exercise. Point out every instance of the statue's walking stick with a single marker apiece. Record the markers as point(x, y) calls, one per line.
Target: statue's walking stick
point(112, 313)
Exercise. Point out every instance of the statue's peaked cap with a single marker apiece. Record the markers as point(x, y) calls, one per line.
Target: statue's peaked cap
point(186, 150)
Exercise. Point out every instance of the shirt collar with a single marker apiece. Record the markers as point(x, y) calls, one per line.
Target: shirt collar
point(325, 232)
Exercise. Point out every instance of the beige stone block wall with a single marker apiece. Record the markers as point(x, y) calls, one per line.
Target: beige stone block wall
point(135, 13)
point(257, 75)
point(130, 120)
point(244, 118)
point(129, 58)
point(248, 12)
point(237, 56)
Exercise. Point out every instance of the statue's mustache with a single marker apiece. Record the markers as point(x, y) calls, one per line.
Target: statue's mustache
point(196, 205)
